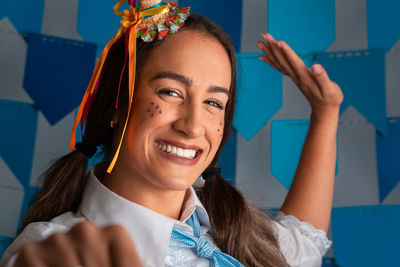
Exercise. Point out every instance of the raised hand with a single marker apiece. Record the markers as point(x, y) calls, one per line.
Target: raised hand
point(84, 245)
point(323, 94)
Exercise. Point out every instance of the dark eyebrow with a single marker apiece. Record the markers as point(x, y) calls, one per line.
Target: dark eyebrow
point(187, 82)
point(218, 89)
point(174, 76)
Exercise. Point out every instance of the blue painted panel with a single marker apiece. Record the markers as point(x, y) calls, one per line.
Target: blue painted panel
point(287, 138)
point(228, 15)
point(4, 243)
point(383, 22)
point(307, 26)
point(18, 137)
point(361, 76)
point(25, 15)
point(57, 73)
point(259, 94)
point(366, 236)
point(388, 156)
point(97, 22)
point(227, 159)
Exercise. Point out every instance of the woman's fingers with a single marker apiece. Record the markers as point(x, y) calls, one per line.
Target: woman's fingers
point(277, 53)
point(303, 78)
point(269, 58)
point(314, 82)
point(122, 249)
point(84, 245)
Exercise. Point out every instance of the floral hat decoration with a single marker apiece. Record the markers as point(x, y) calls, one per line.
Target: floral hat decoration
point(150, 20)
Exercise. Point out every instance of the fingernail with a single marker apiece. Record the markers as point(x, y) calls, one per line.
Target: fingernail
point(259, 45)
point(263, 35)
point(316, 68)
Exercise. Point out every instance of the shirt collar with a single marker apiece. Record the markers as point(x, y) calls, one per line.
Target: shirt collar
point(149, 230)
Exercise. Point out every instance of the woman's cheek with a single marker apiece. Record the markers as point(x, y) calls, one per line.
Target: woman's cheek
point(154, 109)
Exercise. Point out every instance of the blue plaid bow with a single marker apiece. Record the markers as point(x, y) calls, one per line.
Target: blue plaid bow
point(179, 238)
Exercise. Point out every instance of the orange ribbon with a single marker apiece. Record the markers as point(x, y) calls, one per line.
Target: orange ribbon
point(131, 20)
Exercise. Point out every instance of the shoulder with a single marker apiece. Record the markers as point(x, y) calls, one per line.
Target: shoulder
point(39, 231)
point(300, 242)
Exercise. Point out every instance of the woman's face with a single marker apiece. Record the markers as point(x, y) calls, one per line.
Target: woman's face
point(177, 121)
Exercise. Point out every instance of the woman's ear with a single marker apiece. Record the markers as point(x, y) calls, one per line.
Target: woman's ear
point(115, 119)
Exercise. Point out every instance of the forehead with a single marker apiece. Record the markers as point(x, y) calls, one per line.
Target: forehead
point(198, 56)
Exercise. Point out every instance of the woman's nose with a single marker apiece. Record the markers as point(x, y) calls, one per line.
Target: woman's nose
point(190, 121)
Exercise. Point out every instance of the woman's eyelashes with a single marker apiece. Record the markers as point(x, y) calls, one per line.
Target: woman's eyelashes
point(174, 95)
point(215, 103)
point(169, 93)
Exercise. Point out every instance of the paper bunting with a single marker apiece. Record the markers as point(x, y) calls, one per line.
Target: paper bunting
point(98, 31)
point(307, 26)
point(12, 63)
point(18, 137)
point(227, 159)
point(4, 243)
point(383, 23)
point(26, 16)
point(393, 81)
point(366, 236)
point(57, 73)
point(11, 198)
point(287, 138)
point(361, 76)
point(228, 16)
point(357, 181)
point(61, 24)
point(259, 94)
point(351, 27)
point(51, 143)
point(388, 157)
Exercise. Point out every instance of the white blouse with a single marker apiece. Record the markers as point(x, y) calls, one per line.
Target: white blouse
point(301, 244)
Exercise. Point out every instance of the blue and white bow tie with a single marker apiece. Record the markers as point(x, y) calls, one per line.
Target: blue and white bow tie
point(180, 238)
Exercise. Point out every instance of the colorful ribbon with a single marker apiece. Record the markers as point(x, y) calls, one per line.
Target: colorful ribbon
point(131, 19)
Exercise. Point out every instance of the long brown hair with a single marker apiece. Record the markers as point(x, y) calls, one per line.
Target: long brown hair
point(239, 229)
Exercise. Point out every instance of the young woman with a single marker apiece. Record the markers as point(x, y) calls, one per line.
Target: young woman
point(146, 212)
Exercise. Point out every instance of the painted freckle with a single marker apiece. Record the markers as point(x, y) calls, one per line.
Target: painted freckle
point(157, 107)
point(151, 115)
point(160, 111)
point(152, 103)
point(148, 110)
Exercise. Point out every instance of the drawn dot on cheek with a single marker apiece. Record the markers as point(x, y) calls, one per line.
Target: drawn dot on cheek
point(151, 115)
point(152, 103)
point(160, 111)
point(157, 107)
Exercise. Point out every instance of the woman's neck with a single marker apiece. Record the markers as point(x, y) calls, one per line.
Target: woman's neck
point(137, 189)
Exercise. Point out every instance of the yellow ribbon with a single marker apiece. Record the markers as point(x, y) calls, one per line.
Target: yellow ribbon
point(131, 19)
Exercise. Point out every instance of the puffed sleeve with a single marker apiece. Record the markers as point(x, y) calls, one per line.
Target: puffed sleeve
point(301, 244)
point(38, 231)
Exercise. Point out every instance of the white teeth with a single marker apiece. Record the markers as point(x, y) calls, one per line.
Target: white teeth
point(177, 151)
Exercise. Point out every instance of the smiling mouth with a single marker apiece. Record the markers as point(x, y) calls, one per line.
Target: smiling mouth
point(178, 151)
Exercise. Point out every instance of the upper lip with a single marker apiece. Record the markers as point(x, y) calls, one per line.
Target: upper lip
point(179, 144)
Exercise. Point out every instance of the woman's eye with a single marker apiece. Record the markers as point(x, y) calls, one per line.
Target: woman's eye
point(215, 104)
point(168, 92)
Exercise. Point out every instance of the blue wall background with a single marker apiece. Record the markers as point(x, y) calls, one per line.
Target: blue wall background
point(357, 41)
